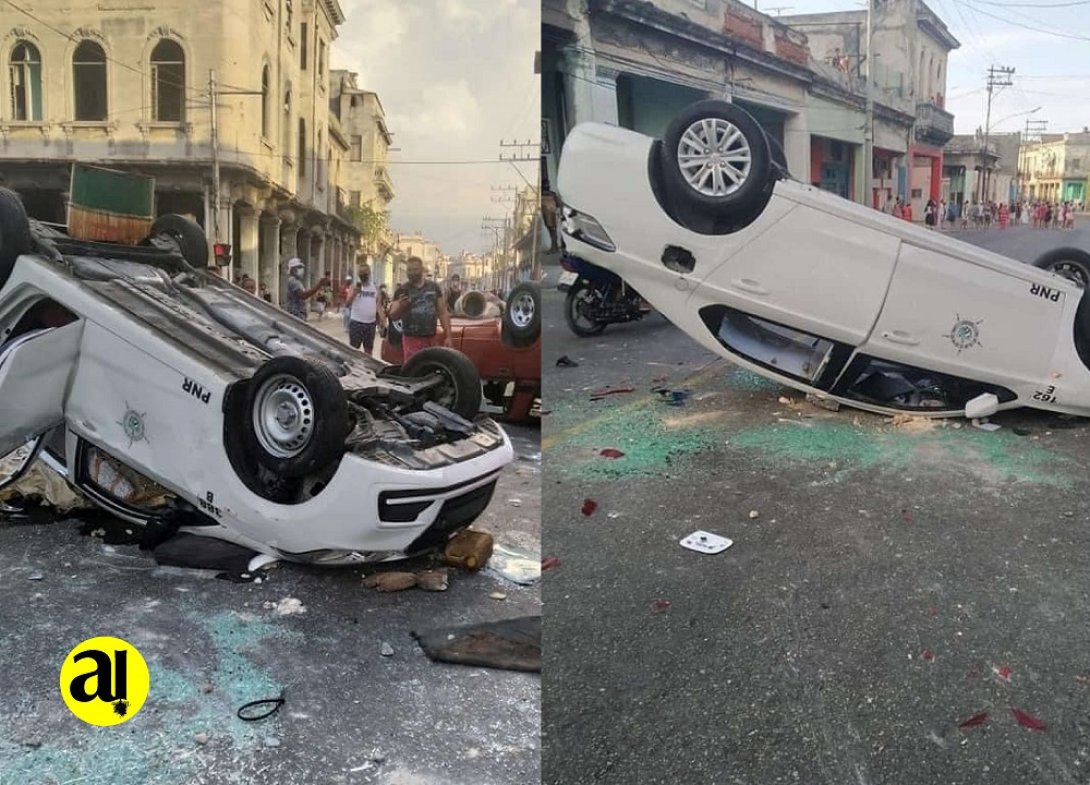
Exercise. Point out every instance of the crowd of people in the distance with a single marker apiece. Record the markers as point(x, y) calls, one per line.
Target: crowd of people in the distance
point(968, 214)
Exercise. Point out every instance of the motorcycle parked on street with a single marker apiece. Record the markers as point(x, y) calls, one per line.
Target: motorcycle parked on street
point(596, 297)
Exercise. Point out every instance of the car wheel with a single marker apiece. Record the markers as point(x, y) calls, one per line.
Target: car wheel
point(186, 234)
point(461, 388)
point(522, 317)
point(15, 237)
point(296, 416)
point(716, 158)
point(1069, 263)
point(580, 298)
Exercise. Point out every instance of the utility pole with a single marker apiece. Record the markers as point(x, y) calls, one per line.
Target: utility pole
point(868, 132)
point(1037, 127)
point(212, 98)
point(998, 76)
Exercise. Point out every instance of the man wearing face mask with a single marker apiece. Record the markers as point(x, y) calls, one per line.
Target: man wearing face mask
point(363, 311)
point(298, 295)
point(419, 304)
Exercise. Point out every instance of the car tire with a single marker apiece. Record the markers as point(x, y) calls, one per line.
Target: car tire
point(571, 304)
point(522, 317)
point(310, 435)
point(15, 237)
point(1069, 263)
point(461, 391)
point(188, 235)
point(712, 191)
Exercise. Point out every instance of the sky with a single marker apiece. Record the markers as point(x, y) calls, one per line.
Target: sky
point(1052, 64)
point(455, 77)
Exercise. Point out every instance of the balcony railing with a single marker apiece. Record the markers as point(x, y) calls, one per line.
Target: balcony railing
point(383, 181)
point(933, 124)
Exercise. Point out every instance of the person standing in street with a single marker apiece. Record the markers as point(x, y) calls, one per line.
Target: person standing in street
point(887, 208)
point(1004, 215)
point(929, 214)
point(363, 312)
point(298, 294)
point(419, 304)
point(454, 291)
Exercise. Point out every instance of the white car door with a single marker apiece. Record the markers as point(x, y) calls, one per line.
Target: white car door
point(823, 268)
point(35, 369)
point(988, 320)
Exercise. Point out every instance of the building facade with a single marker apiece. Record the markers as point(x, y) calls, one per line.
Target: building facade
point(1056, 167)
point(132, 91)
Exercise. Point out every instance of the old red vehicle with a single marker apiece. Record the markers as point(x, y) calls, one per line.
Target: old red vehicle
point(505, 349)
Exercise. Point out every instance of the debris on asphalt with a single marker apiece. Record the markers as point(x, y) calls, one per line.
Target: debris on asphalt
point(913, 423)
point(589, 506)
point(661, 605)
point(497, 595)
point(390, 581)
point(288, 606)
point(35, 577)
point(927, 655)
point(659, 379)
point(613, 515)
point(706, 542)
point(1027, 720)
point(515, 502)
point(1004, 673)
point(602, 392)
point(513, 644)
point(674, 397)
point(984, 425)
point(432, 580)
point(469, 550)
point(822, 402)
point(207, 687)
point(201, 738)
point(41, 484)
point(550, 563)
point(906, 516)
point(515, 565)
point(566, 362)
point(387, 650)
point(610, 452)
point(975, 721)
point(754, 514)
point(271, 741)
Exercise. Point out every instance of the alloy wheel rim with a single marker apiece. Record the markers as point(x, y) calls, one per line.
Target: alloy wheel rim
point(714, 157)
point(284, 416)
point(522, 310)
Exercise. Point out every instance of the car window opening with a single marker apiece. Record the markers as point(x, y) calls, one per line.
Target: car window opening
point(46, 314)
point(791, 352)
point(906, 387)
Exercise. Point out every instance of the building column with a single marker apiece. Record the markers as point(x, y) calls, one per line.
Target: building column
point(269, 264)
point(796, 145)
point(590, 89)
point(936, 177)
point(247, 242)
point(289, 248)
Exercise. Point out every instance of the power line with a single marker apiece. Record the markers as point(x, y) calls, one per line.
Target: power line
point(1022, 25)
point(1034, 5)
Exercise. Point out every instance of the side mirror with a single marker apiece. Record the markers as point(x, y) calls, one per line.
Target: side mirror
point(982, 406)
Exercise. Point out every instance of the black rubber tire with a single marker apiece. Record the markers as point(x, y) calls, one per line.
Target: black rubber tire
point(569, 305)
point(462, 392)
point(326, 443)
point(750, 190)
point(1070, 263)
point(190, 237)
point(511, 333)
point(15, 237)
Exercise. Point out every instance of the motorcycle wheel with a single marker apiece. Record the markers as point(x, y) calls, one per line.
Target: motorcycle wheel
point(580, 293)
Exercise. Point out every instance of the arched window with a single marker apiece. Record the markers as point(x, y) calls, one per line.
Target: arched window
point(26, 82)
point(265, 113)
point(168, 82)
point(89, 81)
point(285, 143)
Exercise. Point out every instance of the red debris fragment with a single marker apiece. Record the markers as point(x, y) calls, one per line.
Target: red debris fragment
point(610, 452)
point(550, 563)
point(975, 720)
point(661, 605)
point(589, 506)
point(1027, 720)
point(906, 515)
point(611, 391)
point(1004, 673)
point(927, 655)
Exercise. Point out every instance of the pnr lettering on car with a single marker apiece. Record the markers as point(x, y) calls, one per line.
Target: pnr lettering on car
point(196, 390)
point(1045, 292)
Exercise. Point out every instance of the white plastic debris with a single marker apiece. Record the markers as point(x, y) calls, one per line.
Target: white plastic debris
point(706, 542)
point(288, 606)
point(984, 425)
point(260, 561)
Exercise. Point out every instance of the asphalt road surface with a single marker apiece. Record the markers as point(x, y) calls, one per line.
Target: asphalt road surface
point(352, 715)
point(886, 583)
